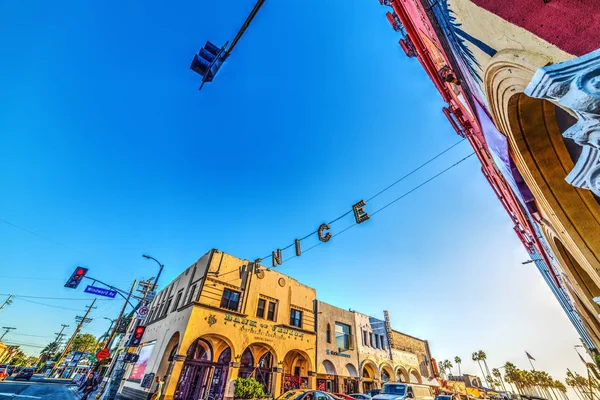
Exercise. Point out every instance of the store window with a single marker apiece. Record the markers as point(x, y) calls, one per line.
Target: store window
point(343, 336)
point(296, 318)
point(230, 299)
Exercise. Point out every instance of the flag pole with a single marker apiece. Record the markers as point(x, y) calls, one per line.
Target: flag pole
point(529, 358)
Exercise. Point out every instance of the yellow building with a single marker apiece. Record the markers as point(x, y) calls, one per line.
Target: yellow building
point(225, 318)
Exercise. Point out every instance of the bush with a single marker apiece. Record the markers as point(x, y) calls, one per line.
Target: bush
point(248, 388)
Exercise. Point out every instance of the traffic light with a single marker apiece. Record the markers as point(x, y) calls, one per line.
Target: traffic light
point(136, 337)
point(208, 61)
point(131, 357)
point(76, 278)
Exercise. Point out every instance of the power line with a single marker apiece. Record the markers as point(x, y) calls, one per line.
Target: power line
point(24, 344)
point(383, 191)
point(38, 235)
point(24, 334)
point(390, 203)
point(51, 305)
point(52, 298)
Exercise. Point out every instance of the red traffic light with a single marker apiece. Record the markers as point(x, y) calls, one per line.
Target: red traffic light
point(76, 277)
point(136, 338)
point(139, 330)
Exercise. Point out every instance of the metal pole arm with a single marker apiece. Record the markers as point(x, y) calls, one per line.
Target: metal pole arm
point(119, 291)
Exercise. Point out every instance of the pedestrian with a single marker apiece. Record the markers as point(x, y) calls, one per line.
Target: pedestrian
point(157, 391)
point(89, 386)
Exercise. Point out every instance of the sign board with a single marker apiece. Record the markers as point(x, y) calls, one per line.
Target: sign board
point(147, 381)
point(100, 291)
point(142, 312)
point(102, 355)
point(150, 296)
point(123, 324)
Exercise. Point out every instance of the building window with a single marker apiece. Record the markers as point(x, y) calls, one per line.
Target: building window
point(191, 296)
point(167, 306)
point(376, 341)
point(296, 318)
point(260, 310)
point(328, 334)
point(371, 342)
point(364, 338)
point(177, 299)
point(271, 312)
point(230, 299)
point(343, 337)
point(382, 342)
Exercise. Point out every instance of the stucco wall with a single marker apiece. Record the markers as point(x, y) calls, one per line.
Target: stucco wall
point(328, 314)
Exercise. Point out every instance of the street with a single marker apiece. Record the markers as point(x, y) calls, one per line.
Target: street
point(37, 388)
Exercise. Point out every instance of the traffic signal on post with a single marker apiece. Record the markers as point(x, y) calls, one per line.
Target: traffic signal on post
point(76, 277)
point(136, 337)
point(208, 61)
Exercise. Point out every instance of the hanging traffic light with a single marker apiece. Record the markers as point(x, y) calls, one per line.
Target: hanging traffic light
point(208, 61)
point(76, 277)
point(136, 337)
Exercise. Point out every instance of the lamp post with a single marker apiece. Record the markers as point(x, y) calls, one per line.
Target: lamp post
point(112, 321)
point(159, 270)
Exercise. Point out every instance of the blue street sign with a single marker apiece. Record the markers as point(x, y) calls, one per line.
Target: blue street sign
point(100, 291)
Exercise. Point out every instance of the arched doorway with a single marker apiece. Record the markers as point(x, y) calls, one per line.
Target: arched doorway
point(296, 365)
point(402, 375)
point(205, 369)
point(262, 369)
point(369, 374)
point(386, 373)
point(327, 379)
point(166, 364)
point(350, 379)
point(414, 376)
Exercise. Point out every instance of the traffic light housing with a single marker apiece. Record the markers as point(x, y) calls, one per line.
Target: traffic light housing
point(208, 61)
point(136, 336)
point(76, 278)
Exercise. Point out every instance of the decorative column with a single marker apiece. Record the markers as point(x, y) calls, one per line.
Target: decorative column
point(277, 382)
point(232, 375)
point(312, 380)
point(575, 85)
point(173, 376)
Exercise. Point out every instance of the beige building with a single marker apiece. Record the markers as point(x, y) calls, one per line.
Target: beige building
point(225, 318)
point(337, 357)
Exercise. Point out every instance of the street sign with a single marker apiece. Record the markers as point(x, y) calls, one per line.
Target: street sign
point(100, 291)
point(150, 296)
point(131, 358)
point(142, 312)
point(102, 355)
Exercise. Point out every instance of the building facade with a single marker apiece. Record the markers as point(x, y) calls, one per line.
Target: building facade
point(521, 85)
point(337, 355)
point(225, 318)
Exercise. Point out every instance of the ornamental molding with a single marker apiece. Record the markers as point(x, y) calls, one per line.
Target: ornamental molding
point(575, 86)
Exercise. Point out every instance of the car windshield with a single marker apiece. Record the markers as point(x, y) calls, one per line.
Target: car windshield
point(393, 389)
point(444, 398)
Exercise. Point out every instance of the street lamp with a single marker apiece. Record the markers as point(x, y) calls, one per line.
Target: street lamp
point(112, 321)
point(159, 271)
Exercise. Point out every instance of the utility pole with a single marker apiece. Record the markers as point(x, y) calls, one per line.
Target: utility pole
point(7, 302)
point(60, 334)
point(6, 330)
point(81, 322)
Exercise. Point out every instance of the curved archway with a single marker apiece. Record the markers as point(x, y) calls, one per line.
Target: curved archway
point(296, 368)
point(369, 374)
point(327, 367)
point(414, 376)
point(207, 356)
point(257, 361)
point(544, 159)
point(165, 366)
point(402, 375)
point(386, 373)
point(350, 370)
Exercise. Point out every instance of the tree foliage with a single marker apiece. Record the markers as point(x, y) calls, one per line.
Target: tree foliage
point(248, 388)
point(86, 343)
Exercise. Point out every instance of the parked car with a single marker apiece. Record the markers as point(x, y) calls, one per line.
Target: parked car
point(3, 373)
point(444, 397)
point(345, 396)
point(360, 396)
point(10, 369)
point(25, 373)
point(403, 391)
point(305, 394)
point(373, 392)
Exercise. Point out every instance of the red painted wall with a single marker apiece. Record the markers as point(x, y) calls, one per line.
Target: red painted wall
point(571, 25)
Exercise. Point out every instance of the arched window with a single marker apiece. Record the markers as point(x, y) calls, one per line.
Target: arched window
point(328, 334)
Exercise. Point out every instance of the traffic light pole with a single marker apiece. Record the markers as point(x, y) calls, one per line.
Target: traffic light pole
point(72, 337)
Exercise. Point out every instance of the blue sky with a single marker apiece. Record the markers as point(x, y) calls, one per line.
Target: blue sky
point(109, 150)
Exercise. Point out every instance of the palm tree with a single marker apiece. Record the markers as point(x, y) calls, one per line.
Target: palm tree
point(483, 357)
point(475, 357)
point(497, 374)
point(457, 360)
